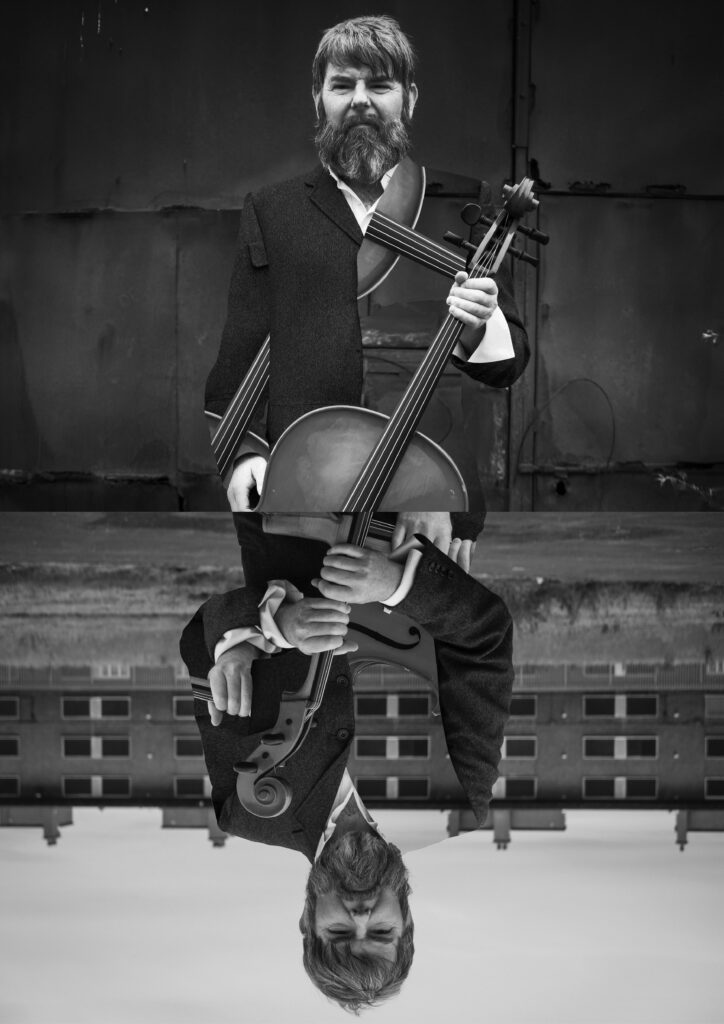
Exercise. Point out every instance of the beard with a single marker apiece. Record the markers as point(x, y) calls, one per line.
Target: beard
point(357, 866)
point(361, 149)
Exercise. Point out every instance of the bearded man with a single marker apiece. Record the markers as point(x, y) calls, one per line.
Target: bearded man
point(295, 275)
point(356, 922)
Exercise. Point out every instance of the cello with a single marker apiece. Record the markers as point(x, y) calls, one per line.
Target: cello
point(366, 474)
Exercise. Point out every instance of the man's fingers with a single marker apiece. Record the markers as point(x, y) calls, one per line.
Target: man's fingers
point(348, 647)
point(245, 696)
point(454, 549)
point(347, 549)
point(399, 534)
point(333, 591)
point(217, 682)
point(322, 604)
point(216, 716)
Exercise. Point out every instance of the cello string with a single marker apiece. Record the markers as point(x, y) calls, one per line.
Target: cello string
point(225, 448)
point(415, 246)
point(261, 360)
point(368, 489)
point(438, 354)
point(239, 406)
point(429, 254)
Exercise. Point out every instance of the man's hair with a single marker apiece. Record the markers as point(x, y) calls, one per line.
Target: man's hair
point(375, 41)
point(357, 981)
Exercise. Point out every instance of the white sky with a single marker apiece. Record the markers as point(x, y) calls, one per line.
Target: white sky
point(122, 923)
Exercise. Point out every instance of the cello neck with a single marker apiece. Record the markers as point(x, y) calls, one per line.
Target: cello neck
point(375, 478)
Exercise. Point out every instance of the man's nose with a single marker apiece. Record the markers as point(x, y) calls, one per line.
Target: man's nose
point(361, 911)
point(360, 97)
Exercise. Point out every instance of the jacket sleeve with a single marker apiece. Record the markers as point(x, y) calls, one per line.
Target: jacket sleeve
point(504, 372)
point(247, 319)
point(472, 630)
point(234, 738)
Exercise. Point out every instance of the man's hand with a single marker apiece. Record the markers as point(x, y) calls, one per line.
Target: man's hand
point(436, 527)
point(315, 624)
point(231, 685)
point(248, 476)
point(357, 576)
point(473, 300)
point(433, 525)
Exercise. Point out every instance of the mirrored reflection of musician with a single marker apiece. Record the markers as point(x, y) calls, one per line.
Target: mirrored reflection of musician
point(295, 276)
point(356, 924)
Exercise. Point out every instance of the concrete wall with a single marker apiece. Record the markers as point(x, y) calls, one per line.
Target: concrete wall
point(135, 127)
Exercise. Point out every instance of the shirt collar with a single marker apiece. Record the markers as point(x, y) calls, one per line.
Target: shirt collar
point(344, 187)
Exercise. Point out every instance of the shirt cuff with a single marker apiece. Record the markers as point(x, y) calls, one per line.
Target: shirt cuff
point(496, 343)
point(411, 553)
point(266, 637)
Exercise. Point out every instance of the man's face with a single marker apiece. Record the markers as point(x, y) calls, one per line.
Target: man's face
point(355, 93)
point(370, 925)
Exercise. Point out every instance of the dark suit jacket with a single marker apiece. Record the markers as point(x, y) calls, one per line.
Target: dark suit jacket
point(472, 630)
point(295, 277)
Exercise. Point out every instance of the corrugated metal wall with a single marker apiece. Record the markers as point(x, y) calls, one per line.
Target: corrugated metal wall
point(133, 129)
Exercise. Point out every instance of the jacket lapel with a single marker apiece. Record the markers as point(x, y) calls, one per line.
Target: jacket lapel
point(325, 195)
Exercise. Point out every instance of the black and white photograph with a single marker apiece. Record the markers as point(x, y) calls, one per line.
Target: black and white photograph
point(361, 479)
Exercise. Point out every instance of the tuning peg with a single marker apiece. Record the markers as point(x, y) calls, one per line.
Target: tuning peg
point(524, 257)
point(245, 766)
point(534, 234)
point(461, 243)
point(470, 214)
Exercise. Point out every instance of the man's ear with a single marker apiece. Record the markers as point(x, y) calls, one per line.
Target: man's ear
point(412, 95)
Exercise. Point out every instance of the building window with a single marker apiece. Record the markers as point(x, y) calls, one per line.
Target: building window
point(515, 788)
point(642, 746)
point(620, 705)
point(76, 746)
point(392, 705)
point(371, 705)
point(392, 748)
point(619, 787)
point(9, 707)
point(599, 789)
point(598, 746)
point(194, 786)
point(115, 786)
point(520, 747)
point(523, 706)
point(413, 705)
point(640, 705)
point(620, 747)
point(372, 789)
point(392, 787)
point(188, 746)
point(714, 705)
point(96, 746)
point(714, 789)
point(413, 788)
point(640, 789)
point(78, 785)
point(183, 707)
point(9, 746)
point(599, 706)
point(95, 707)
point(115, 746)
point(715, 746)
point(371, 746)
point(111, 670)
point(96, 786)
point(75, 707)
point(9, 785)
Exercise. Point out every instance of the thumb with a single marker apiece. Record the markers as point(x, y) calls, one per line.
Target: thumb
point(461, 277)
